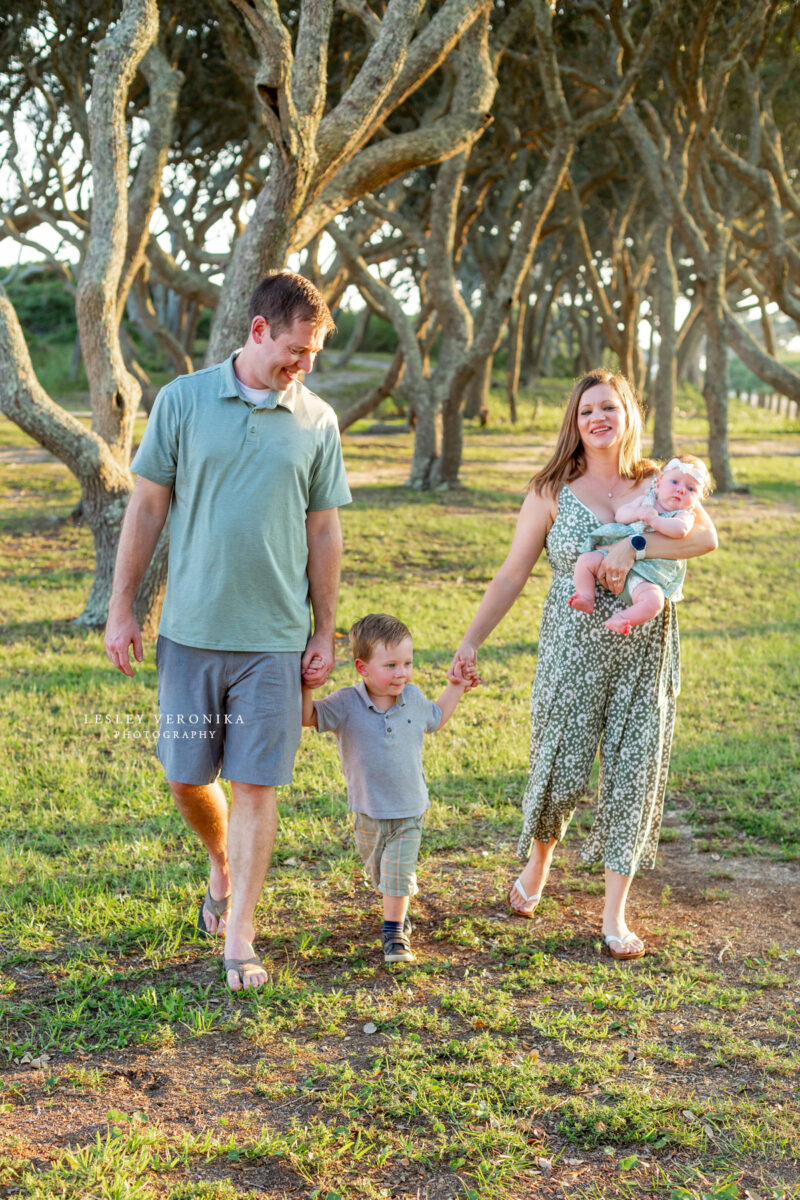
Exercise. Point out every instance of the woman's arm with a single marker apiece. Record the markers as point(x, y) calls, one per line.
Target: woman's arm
point(534, 521)
point(701, 539)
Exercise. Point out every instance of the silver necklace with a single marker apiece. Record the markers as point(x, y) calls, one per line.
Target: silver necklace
point(609, 494)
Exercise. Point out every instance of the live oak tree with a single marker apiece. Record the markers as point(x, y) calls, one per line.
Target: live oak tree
point(314, 133)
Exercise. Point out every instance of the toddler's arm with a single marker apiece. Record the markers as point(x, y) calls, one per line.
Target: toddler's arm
point(448, 700)
point(674, 527)
point(309, 712)
point(453, 692)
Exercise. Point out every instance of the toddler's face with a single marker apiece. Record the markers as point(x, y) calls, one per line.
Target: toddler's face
point(677, 490)
point(388, 669)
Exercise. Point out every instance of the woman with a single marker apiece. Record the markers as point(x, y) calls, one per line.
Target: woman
point(592, 685)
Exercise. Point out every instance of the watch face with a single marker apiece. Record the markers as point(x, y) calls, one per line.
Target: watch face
point(638, 542)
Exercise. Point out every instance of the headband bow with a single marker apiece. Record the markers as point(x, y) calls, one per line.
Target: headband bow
point(687, 468)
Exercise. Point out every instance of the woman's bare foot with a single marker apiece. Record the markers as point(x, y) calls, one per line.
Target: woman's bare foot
point(623, 943)
point(581, 602)
point(520, 902)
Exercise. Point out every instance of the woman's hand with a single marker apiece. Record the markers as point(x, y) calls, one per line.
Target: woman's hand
point(613, 571)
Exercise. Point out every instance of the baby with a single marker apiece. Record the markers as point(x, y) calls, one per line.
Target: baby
point(667, 508)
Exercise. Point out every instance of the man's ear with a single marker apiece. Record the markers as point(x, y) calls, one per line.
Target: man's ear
point(259, 329)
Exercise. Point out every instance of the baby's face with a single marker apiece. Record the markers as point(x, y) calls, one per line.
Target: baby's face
point(676, 490)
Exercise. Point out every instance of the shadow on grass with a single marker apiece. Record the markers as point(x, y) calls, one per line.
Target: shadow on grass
point(43, 631)
point(390, 495)
point(739, 631)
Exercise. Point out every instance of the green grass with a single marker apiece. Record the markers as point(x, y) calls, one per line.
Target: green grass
point(514, 1058)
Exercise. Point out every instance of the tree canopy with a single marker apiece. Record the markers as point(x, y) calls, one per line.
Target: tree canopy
point(550, 175)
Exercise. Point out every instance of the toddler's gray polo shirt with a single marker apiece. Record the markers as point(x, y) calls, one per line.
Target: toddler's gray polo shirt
point(381, 752)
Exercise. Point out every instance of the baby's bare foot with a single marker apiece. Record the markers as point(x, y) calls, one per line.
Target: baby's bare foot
point(581, 602)
point(618, 624)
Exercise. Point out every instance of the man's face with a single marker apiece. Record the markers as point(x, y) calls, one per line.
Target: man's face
point(286, 356)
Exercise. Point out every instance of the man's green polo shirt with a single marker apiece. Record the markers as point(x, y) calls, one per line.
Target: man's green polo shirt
point(243, 479)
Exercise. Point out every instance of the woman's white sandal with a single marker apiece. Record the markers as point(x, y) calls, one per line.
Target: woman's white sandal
point(623, 941)
point(534, 900)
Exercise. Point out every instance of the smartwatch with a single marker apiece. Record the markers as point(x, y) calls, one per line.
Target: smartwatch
point(639, 543)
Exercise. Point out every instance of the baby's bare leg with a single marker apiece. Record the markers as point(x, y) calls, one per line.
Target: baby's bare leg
point(648, 601)
point(584, 577)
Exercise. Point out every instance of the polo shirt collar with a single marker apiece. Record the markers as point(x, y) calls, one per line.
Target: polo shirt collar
point(361, 688)
point(228, 389)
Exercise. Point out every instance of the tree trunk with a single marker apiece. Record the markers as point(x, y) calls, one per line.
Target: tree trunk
point(362, 408)
point(666, 378)
point(427, 439)
point(115, 394)
point(262, 247)
point(477, 393)
point(782, 378)
point(688, 365)
point(515, 328)
point(452, 446)
point(357, 335)
point(716, 389)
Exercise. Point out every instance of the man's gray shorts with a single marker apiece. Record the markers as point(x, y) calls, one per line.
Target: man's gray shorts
point(233, 712)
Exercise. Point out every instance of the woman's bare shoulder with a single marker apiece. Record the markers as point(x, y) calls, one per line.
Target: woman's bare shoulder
point(542, 506)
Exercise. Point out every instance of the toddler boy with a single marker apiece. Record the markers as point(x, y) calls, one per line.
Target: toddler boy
point(379, 725)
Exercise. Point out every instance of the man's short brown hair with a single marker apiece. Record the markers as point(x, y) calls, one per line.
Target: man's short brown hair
point(376, 629)
point(282, 298)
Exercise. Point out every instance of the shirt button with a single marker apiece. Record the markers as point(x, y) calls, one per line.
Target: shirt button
point(388, 729)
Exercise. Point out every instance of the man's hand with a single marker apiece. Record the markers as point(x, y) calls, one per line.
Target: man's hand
point(614, 568)
point(317, 661)
point(122, 632)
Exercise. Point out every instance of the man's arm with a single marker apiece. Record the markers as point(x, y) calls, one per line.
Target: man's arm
point(324, 541)
point(141, 529)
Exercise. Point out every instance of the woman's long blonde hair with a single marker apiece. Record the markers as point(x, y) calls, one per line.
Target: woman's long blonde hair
point(569, 461)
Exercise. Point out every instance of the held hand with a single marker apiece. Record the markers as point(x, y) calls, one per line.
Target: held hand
point(464, 675)
point(122, 632)
point(317, 661)
point(614, 568)
point(464, 664)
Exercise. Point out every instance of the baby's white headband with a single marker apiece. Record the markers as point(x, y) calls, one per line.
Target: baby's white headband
point(698, 473)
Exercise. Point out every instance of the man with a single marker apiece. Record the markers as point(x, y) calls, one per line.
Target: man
point(248, 463)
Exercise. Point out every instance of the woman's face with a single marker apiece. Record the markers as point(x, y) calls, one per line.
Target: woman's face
point(601, 417)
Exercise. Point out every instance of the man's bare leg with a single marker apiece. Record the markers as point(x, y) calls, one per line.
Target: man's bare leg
point(252, 826)
point(205, 810)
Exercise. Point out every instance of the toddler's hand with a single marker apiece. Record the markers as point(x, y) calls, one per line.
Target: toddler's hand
point(463, 673)
point(311, 670)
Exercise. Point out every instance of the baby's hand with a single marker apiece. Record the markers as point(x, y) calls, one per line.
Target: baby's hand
point(647, 512)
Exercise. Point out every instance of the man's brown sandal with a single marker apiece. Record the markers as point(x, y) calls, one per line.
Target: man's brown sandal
point(220, 908)
point(243, 966)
